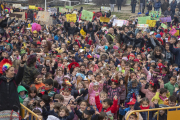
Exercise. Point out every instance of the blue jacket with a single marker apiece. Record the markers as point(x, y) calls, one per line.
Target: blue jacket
point(124, 111)
point(176, 52)
point(157, 5)
point(173, 6)
point(56, 37)
point(78, 58)
point(143, 114)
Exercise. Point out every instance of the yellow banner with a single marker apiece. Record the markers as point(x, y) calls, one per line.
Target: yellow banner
point(32, 7)
point(151, 23)
point(104, 19)
point(71, 17)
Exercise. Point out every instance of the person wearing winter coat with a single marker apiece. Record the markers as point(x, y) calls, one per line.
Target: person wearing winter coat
point(133, 5)
point(164, 6)
point(157, 5)
point(176, 53)
point(9, 98)
point(110, 36)
point(173, 6)
point(119, 2)
point(112, 2)
point(23, 93)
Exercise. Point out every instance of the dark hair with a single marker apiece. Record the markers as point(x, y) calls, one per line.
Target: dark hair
point(102, 115)
point(47, 74)
point(83, 65)
point(174, 77)
point(49, 82)
point(173, 65)
point(165, 69)
point(134, 115)
point(31, 60)
point(65, 109)
point(163, 90)
point(172, 98)
point(46, 99)
point(154, 87)
point(109, 101)
point(157, 70)
point(32, 90)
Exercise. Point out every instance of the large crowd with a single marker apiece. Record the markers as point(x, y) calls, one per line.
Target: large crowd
point(60, 74)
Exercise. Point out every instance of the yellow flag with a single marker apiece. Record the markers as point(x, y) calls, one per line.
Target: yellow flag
point(104, 19)
point(177, 33)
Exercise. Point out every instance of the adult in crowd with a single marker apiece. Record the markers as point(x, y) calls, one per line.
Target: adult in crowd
point(133, 5)
point(157, 5)
point(119, 3)
point(164, 6)
point(9, 98)
point(112, 3)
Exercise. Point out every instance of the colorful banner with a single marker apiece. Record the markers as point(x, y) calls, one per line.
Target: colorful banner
point(87, 15)
point(71, 17)
point(104, 19)
point(143, 25)
point(118, 22)
point(163, 26)
point(173, 31)
point(62, 10)
point(52, 11)
point(32, 7)
point(43, 16)
point(151, 23)
point(17, 5)
point(142, 20)
point(165, 19)
point(69, 7)
point(24, 7)
point(155, 15)
point(105, 8)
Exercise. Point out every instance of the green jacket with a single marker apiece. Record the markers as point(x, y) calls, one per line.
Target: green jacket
point(19, 89)
point(170, 87)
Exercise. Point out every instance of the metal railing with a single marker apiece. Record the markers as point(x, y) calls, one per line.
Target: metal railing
point(25, 110)
point(171, 115)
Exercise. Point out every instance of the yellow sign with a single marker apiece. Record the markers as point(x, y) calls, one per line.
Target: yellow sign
point(151, 23)
point(71, 17)
point(177, 33)
point(32, 7)
point(104, 19)
point(36, 8)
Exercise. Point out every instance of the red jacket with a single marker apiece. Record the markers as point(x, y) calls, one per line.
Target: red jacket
point(113, 108)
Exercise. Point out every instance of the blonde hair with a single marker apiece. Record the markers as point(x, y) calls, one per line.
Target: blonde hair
point(16, 64)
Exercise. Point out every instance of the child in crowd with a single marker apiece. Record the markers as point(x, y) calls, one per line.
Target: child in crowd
point(23, 93)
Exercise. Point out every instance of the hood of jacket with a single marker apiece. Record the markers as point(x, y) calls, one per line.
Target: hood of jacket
point(21, 88)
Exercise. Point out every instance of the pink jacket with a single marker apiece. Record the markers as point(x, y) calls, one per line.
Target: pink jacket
point(92, 93)
point(147, 73)
point(149, 94)
point(67, 99)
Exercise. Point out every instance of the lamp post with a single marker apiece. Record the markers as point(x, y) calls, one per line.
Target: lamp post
point(45, 5)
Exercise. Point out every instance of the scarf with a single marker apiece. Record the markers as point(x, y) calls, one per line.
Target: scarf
point(162, 98)
point(143, 108)
point(23, 96)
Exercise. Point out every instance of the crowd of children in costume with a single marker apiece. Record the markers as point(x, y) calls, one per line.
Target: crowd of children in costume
point(102, 75)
